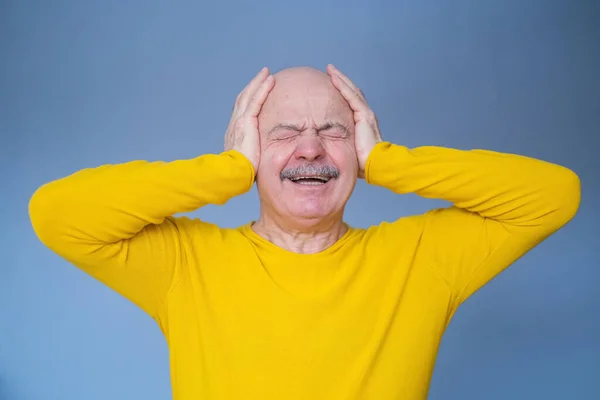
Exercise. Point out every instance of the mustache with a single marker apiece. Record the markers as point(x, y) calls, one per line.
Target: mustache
point(328, 171)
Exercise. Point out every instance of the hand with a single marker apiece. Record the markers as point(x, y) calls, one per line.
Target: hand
point(366, 130)
point(242, 133)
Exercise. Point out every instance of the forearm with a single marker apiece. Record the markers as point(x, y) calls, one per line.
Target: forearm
point(114, 202)
point(516, 190)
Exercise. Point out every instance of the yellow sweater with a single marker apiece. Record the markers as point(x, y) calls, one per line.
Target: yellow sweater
point(245, 319)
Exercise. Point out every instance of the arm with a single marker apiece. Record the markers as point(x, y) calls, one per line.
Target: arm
point(503, 206)
point(116, 222)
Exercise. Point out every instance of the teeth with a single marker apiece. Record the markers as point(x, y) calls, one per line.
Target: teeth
point(310, 180)
point(309, 183)
point(321, 178)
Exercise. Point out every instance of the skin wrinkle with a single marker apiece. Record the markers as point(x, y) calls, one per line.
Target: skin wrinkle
point(299, 128)
point(306, 126)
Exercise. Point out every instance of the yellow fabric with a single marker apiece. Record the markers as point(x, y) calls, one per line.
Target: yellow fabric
point(245, 319)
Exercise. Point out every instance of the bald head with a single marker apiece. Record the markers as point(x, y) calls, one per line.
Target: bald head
point(306, 98)
point(302, 74)
point(306, 128)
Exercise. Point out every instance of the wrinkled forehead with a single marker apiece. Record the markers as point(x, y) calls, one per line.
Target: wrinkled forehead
point(304, 99)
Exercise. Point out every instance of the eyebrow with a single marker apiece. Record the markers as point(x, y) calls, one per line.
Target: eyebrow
point(299, 128)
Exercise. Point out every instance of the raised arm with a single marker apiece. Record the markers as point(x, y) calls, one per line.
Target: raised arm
point(503, 206)
point(116, 222)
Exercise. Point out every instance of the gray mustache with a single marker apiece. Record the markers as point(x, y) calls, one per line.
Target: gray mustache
point(310, 169)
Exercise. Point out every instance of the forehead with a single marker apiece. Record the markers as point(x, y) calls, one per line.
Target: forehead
point(306, 97)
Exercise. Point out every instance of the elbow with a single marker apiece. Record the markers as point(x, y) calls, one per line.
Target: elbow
point(568, 195)
point(42, 207)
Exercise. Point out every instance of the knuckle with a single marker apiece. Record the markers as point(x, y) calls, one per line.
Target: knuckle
point(239, 124)
point(240, 99)
point(370, 116)
point(236, 103)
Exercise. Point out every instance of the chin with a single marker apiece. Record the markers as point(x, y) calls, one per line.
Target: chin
point(311, 210)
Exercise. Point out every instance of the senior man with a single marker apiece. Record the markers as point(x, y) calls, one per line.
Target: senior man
point(297, 304)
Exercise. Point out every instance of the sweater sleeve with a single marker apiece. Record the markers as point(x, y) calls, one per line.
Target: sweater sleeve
point(116, 222)
point(503, 205)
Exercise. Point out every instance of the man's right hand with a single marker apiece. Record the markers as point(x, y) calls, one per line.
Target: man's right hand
point(242, 134)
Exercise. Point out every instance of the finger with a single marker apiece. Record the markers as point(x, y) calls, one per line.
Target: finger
point(353, 98)
point(331, 69)
point(246, 94)
point(259, 97)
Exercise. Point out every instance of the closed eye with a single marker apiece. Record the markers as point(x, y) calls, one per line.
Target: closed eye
point(334, 133)
point(284, 134)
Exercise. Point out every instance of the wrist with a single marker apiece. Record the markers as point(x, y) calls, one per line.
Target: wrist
point(243, 159)
point(372, 159)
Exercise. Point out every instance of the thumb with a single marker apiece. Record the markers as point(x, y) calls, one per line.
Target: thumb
point(259, 97)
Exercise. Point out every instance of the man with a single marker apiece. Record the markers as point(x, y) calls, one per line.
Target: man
point(298, 305)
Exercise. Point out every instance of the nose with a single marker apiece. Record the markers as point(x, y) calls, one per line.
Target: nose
point(309, 147)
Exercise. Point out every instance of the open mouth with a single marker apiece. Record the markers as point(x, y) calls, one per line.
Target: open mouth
point(310, 180)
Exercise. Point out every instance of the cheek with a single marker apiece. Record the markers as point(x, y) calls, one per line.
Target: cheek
point(272, 161)
point(280, 158)
point(343, 155)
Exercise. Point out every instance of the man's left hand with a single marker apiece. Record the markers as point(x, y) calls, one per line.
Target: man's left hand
point(366, 130)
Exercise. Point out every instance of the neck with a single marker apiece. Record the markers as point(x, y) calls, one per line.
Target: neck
point(301, 237)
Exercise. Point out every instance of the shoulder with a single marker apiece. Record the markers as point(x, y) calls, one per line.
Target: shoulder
point(431, 231)
point(403, 227)
point(200, 231)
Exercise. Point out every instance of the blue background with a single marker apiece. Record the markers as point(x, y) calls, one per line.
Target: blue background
point(85, 83)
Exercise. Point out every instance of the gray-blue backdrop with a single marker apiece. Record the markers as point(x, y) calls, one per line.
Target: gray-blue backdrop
point(85, 83)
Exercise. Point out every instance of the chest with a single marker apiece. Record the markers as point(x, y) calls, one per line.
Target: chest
point(245, 318)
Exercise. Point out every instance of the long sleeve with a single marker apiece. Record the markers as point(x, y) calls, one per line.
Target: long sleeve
point(503, 205)
point(116, 222)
